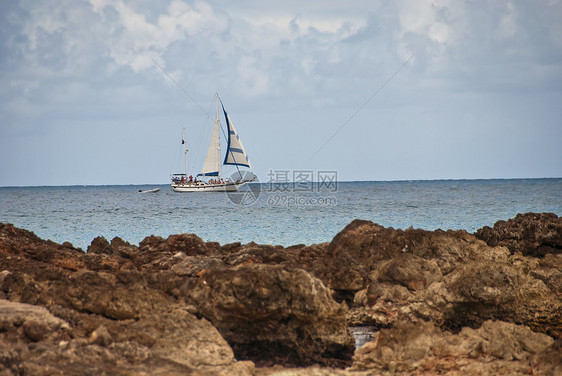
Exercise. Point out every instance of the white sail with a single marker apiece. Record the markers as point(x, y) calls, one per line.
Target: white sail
point(235, 152)
point(212, 162)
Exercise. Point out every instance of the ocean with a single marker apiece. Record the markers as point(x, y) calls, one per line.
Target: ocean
point(284, 214)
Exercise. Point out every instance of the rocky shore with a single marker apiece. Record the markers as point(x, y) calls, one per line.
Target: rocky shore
point(437, 302)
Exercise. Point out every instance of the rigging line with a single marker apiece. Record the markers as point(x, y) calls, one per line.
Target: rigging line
point(180, 87)
point(360, 108)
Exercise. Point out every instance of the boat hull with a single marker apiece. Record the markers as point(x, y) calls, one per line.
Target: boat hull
point(228, 187)
point(150, 190)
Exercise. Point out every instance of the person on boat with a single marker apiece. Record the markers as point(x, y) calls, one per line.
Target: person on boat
point(190, 178)
point(222, 181)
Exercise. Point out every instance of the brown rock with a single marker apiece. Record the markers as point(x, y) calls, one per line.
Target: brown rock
point(190, 244)
point(13, 314)
point(483, 290)
point(410, 271)
point(447, 277)
point(268, 313)
point(35, 330)
point(101, 337)
point(100, 245)
point(533, 234)
point(549, 361)
point(496, 347)
point(123, 248)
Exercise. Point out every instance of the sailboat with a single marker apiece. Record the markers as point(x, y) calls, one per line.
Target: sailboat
point(209, 180)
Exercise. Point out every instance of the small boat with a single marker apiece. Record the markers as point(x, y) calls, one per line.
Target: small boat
point(154, 190)
point(209, 180)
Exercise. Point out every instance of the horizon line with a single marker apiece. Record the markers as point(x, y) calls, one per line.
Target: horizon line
point(284, 182)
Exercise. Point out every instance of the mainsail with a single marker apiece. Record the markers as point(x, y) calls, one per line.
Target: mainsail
point(212, 162)
point(235, 153)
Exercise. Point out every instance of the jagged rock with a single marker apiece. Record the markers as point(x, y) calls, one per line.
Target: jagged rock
point(101, 322)
point(100, 245)
point(123, 248)
point(447, 277)
point(196, 266)
point(533, 234)
point(15, 243)
point(190, 244)
point(270, 313)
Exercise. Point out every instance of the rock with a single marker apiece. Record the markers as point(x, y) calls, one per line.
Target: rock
point(101, 337)
point(163, 341)
point(410, 271)
point(25, 244)
point(439, 302)
point(422, 348)
point(11, 362)
point(190, 244)
point(549, 270)
point(533, 234)
point(549, 361)
point(35, 322)
point(447, 277)
point(268, 313)
point(5, 276)
point(507, 341)
point(35, 330)
point(101, 320)
point(482, 291)
point(196, 266)
point(100, 245)
point(123, 248)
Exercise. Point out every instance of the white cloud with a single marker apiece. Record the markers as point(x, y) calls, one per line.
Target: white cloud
point(133, 38)
point(253, 81)
point(507, 25)
point(439, 32)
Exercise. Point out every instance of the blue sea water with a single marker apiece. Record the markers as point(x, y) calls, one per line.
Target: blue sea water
point(280, 215)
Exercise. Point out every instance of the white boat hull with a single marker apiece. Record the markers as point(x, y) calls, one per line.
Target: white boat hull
point(204, 187)
point(150, 190)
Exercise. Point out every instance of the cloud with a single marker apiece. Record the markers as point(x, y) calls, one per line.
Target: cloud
point(132, 39)
point(306, 66)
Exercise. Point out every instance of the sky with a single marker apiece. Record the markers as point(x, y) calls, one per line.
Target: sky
point(374, 90)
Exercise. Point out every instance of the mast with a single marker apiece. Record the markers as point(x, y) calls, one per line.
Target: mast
point(218, 133)
point(184, 142)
